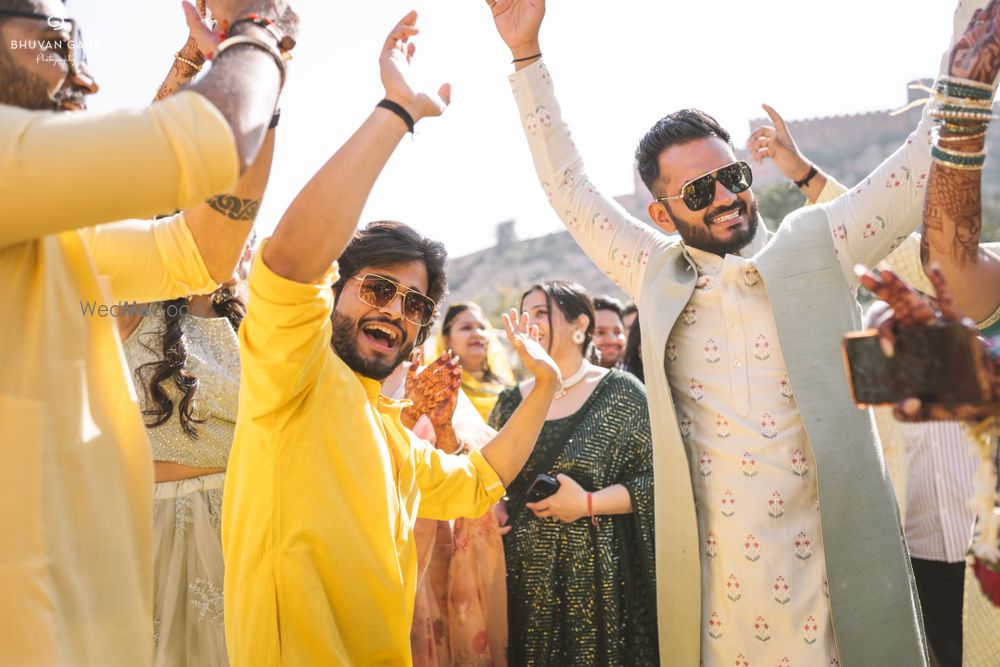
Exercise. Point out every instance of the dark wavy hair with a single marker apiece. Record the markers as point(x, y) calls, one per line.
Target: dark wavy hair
point(170, 368)
point(678, 128)
point(572, 301)
point(387, 242)
point(632, 357)
point(456, 309)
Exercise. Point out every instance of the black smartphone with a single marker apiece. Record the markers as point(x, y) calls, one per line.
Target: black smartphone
point(942, 364)
point(543, 487)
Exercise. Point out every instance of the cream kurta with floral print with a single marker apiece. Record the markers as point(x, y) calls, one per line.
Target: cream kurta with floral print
point(763, 572)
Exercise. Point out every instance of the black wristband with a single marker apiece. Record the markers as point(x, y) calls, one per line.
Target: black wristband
point(521, 60)
point(811, 175)
point(399, 111)
point(274, 119)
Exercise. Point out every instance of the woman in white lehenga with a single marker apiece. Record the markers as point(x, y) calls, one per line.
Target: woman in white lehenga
point(185, 362)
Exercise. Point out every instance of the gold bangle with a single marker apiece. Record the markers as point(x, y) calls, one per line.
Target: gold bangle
point(190, 63)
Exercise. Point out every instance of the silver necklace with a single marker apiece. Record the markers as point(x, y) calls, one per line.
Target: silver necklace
point(573, 379)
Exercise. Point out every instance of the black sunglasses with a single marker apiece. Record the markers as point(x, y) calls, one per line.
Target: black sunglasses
point(379, 292)
point(71, 49)
point(699, 193)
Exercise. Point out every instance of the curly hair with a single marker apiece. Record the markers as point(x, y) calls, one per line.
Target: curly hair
point(171, 367)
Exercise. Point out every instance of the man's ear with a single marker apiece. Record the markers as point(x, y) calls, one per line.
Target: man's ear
point(661, 218)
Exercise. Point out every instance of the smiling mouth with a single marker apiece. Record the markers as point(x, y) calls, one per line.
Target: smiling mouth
point(383, 337)
point(729, 217)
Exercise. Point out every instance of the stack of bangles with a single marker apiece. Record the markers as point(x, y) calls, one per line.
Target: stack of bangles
point(962, 113)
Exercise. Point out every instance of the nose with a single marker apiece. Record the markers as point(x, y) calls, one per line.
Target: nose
point(394, 307)
point(85, 80)
point(723, 197)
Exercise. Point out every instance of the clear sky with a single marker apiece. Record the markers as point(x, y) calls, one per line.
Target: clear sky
point(618, 65)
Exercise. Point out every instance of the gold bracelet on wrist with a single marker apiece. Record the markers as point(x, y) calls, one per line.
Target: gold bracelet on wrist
point(190, 63)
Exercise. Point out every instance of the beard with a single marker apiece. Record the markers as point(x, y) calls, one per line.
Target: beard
point(701, 237)
point(21, 87)
point(344, 341)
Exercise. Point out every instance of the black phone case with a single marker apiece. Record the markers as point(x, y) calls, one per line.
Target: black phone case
point(543, 487)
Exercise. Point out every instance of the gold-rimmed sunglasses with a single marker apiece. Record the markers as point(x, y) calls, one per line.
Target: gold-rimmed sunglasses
point(379, 292)
point(699, 193)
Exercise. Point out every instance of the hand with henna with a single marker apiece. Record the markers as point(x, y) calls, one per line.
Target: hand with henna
point(909, 308)
point(976, 55)
point(434, 392)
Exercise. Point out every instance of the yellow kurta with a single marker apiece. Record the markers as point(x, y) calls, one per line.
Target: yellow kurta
point(76, 480)
point(323, 488)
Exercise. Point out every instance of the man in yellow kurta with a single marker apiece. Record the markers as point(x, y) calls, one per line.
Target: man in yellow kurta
point(76, 480)
point(324, 482)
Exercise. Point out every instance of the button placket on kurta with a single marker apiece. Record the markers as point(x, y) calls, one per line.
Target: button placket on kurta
point(763, 583)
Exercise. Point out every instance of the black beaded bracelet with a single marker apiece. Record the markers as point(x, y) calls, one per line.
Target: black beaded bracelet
point(399, 111)
point(811, 175)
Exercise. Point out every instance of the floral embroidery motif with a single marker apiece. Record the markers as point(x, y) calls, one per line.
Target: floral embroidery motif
point(768, 427)
point(715, 626)
point(782, 591)
point(762, 348)
point(546, 77)
point(728, 504)
point(572, 221)
point(689, 315)
point(873, 227)
point(548, 190)
point(761, 630)
point(711, 351)
point(921, 182)
point(749, 465)
point(810, 630)
point(786, 388)
point(215, 509)
point(568, 179)
point(686, 427)
point(803, 547)
point(733, 588)
point(751, 276)
point(711, 546)
point(602, 222)
point(644, 258)
point(696, 390)
point(840, 232)
point(799, 465)
point(207, 599)
point(751, 548)
point(896, 178)
point(704, 283)
point(619, 257)
point(785, 662)
point(775, 505)
point(741, 661)
point(834, 662)
point(531, 124)
point(705, 464)
point(184, 515)
point(671, 352)
point(544, 117)
point(722, 427)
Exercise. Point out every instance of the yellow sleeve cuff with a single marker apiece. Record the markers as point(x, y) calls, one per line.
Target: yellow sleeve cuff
point(487, 476)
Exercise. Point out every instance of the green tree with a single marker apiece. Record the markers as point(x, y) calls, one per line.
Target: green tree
point(776, 201)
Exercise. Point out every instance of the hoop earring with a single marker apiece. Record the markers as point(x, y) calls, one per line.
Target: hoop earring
point(579, 337)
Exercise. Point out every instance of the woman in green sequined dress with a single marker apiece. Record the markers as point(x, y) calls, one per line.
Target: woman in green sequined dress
point(580, 564)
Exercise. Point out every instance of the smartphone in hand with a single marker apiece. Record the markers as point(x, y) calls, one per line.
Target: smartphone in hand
point(942, 364)
point(543, 487)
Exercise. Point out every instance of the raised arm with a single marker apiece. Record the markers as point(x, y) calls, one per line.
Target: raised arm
point(953, 209)
point(618, 243)
point(777, 143)
point(320, 221)
point(880, 212)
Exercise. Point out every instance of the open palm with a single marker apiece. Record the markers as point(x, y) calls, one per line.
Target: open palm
point(395, 65)
point(518, 22)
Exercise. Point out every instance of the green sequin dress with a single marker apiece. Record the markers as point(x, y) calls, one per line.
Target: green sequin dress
point(579, 595)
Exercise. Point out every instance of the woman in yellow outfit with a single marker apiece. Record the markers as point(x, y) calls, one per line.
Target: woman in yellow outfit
point(485, 369)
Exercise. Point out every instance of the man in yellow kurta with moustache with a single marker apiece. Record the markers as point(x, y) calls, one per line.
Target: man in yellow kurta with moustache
point(324, 482)
point(76, 480)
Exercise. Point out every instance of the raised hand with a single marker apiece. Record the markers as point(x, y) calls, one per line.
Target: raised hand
point(518, 22)
point(976, 55)
point(434, 390)
point(280, 11)
point(776, 142)
point(524, 338)
point(397, 77)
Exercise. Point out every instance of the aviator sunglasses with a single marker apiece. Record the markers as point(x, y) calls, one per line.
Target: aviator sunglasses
point(379, 292)
point(699, 193)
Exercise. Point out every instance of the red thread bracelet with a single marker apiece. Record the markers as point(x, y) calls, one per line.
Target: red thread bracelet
point(590, 509)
